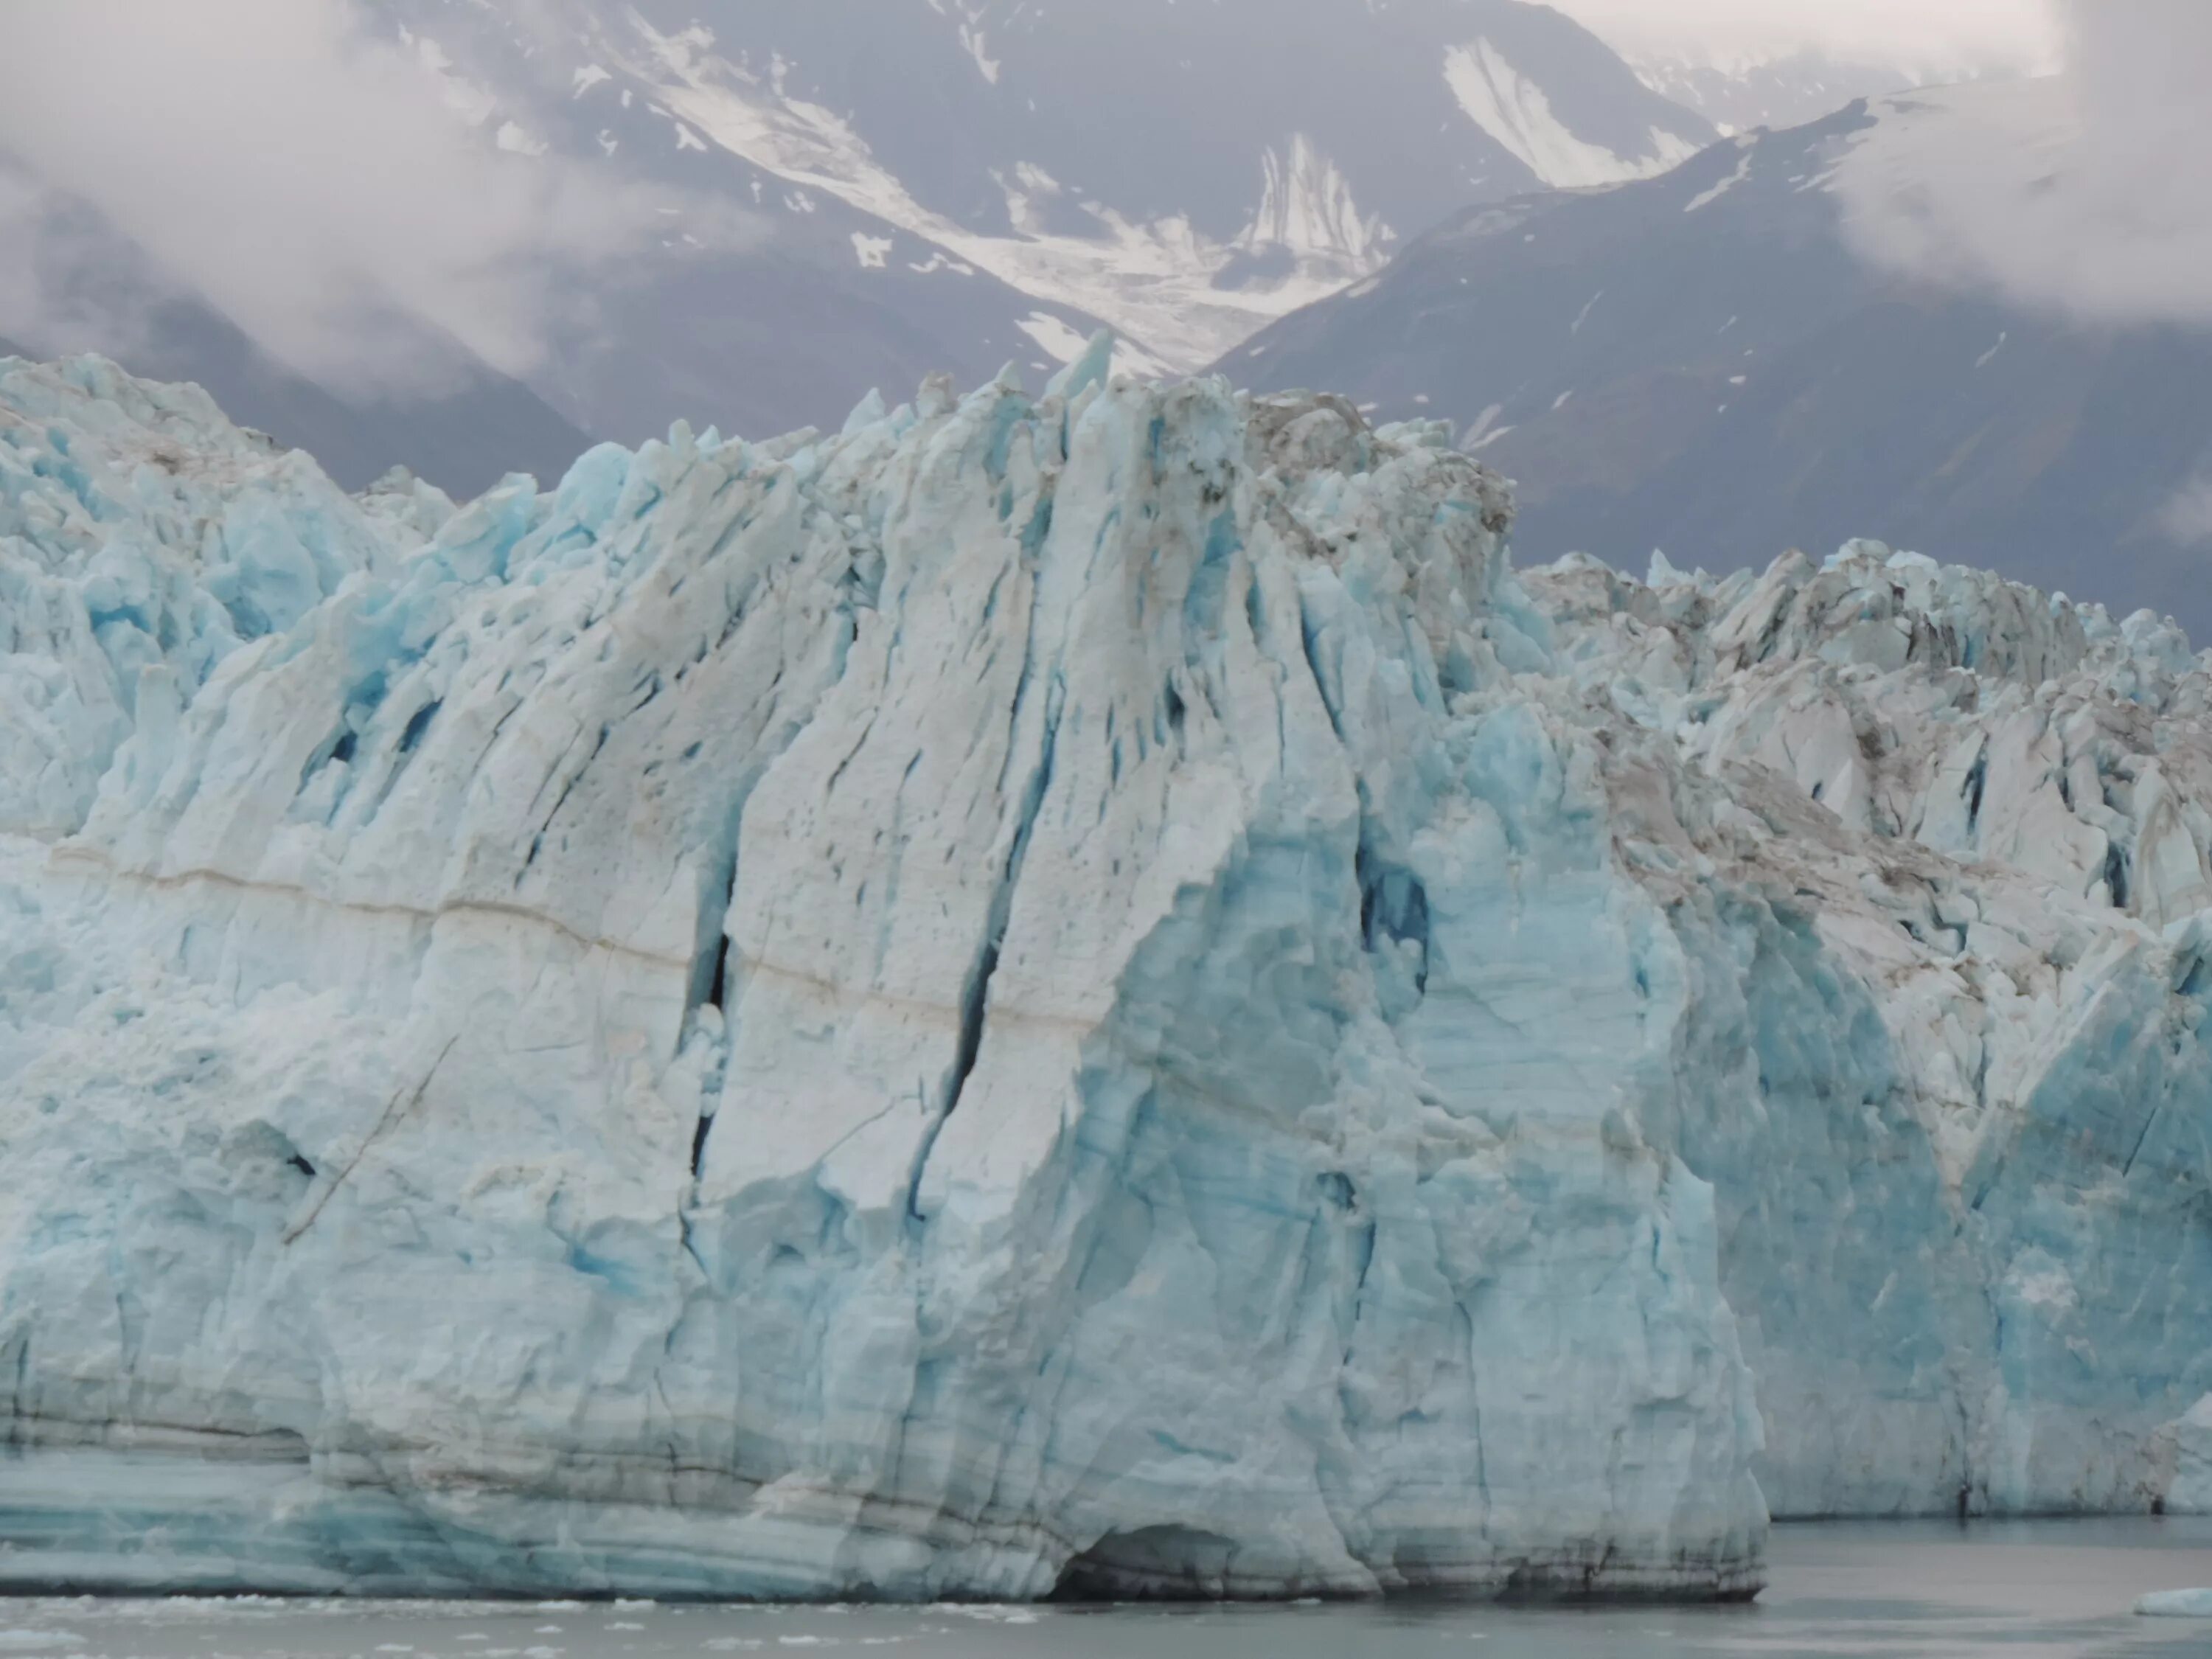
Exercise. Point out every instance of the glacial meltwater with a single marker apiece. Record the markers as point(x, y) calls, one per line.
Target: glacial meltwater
point(2048, 1590)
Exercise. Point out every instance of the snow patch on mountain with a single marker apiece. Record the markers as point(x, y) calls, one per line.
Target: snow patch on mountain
point(971, 39)
point(1154, 281)
point(473, 104)
point(1052, 337)
point(1743, 91)
point(1185, 174)
point(1704, 198)
point(1517, 113)
point(1307, 211)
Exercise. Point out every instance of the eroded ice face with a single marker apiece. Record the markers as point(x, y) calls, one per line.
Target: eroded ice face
point(1079, 990)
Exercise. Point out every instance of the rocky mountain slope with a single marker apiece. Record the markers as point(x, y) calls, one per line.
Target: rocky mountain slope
point(1184, 172)
point(1705, 363)
point(1082, 991)
point(1743, 92)
point(856, 193)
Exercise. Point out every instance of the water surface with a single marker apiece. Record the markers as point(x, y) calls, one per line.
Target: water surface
point(2047, 1590)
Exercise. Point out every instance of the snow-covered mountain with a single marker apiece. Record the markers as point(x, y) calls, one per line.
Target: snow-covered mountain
point(1779, 64)
point(847, 193)
point(1079, 992)
point(1705, 363)
point(1739, 93)
point(1183, 172)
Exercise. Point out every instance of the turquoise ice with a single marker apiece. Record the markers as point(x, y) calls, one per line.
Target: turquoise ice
point(1077, 990)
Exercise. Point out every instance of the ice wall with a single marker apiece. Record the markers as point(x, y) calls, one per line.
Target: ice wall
point(959, 1008)
point(1936, 847)
point(138, 530)
point(1083, 992)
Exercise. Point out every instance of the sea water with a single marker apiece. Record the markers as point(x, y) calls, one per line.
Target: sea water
point(2026, 1590)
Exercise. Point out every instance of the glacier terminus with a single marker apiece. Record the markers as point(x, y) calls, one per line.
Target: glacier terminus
point(1086, 992)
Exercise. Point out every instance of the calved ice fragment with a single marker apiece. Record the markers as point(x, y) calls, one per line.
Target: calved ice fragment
point(2176, 1604)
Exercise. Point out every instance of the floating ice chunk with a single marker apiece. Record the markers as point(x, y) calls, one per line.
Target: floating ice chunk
point(2176, 1604)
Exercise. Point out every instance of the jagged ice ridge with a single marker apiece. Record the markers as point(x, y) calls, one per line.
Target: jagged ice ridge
point(1088, 992)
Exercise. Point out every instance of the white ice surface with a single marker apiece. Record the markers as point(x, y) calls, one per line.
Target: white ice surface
point(1515, 111)
point(1154, 281)
point(2176, 1604)
point(1081, 988)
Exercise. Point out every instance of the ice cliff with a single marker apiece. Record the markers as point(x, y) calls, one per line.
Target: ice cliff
point(1086, 992)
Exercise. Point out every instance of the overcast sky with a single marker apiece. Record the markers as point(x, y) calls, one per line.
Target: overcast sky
point(1931, 32)
point(304, 175)
point(2105, 212)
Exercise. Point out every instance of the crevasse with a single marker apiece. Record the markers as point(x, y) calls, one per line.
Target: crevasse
point(1082, 993)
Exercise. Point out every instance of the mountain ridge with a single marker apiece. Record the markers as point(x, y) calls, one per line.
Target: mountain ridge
point(1705, 364)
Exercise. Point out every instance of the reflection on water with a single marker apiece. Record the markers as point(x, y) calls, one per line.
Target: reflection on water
point(2043, 1590)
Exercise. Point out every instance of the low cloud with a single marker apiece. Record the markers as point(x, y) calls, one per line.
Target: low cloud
point(1924, 35)
point(310, 179)
point(2088, 196)
point(2187, 518)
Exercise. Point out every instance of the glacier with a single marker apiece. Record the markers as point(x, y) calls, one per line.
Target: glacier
point(1086, 993)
